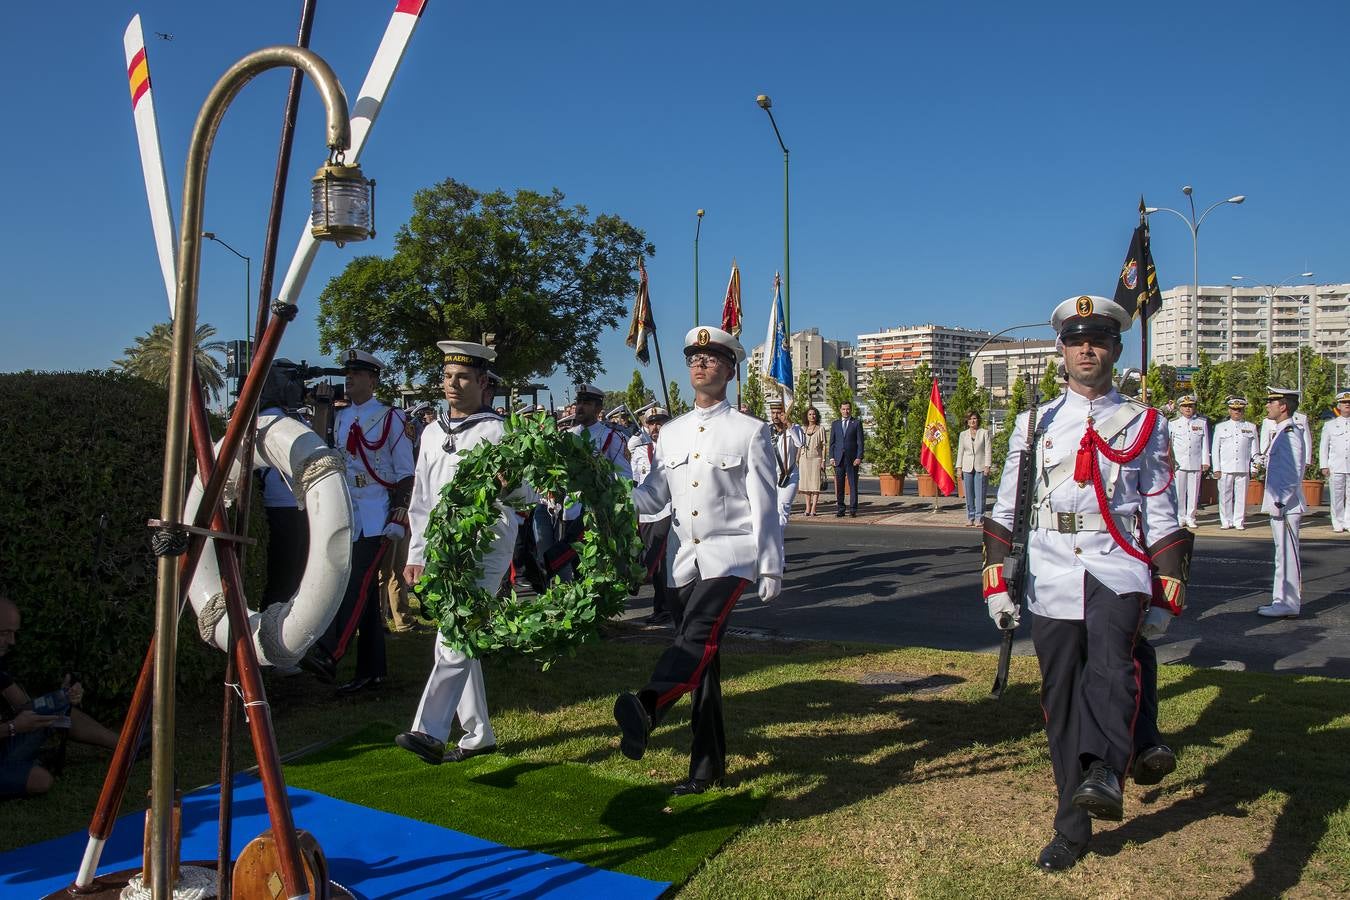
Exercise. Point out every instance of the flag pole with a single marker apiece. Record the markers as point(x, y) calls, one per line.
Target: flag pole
point(1143, 312)
point(661, 369)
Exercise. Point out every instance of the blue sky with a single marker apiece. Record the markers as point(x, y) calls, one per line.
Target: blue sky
point(964, 163)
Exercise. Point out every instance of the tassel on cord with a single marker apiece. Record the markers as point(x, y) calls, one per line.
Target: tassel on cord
point(1086, 468)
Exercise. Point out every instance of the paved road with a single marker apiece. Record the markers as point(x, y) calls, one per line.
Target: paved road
point(913, 586)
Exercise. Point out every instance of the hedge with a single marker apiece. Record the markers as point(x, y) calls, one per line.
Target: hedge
point(78, 446)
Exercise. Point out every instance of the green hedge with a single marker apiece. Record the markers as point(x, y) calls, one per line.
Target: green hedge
point(79, 445)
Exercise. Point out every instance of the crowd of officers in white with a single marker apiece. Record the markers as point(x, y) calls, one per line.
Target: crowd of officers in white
point(713, 490)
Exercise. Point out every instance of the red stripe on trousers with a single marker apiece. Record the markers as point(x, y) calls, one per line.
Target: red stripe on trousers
point(709, 650)
point(360, 605)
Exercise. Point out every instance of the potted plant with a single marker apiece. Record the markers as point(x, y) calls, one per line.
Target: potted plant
point(1312, 485)
point(1256, 486)
point(886, 444)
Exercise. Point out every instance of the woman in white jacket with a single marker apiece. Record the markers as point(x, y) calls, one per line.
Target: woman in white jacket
point(973, 459)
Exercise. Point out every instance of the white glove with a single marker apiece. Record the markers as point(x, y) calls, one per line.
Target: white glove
point(1155, 624)
point(1001, 605)
point(769, 587)
point(395, 532)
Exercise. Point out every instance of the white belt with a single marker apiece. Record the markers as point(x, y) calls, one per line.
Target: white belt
point(1073, 523)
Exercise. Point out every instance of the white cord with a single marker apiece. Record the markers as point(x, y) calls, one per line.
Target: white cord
point(194, 883)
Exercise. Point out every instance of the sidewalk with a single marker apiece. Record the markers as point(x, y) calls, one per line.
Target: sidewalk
point(950, 512)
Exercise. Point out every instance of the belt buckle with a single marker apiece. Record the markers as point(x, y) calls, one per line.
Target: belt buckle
point(361, 480)
point(1066, 523)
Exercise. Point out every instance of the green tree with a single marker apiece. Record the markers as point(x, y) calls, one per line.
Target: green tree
point(1018, 402)
point(149, 357)
point(967, 398)
point(752, 398)
point(916, 417)
point(1317, 401)
point(547, 279)
point(1049, 387)
point(638, 395)
point(798, 412)
point(1155, 387)
point(837, 390)
point(677, 405)
point(1171, 381)
point(1256, 383)
point(886, 438)
point(1209, 398)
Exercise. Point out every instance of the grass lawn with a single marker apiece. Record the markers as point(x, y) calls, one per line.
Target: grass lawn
point(867, 790)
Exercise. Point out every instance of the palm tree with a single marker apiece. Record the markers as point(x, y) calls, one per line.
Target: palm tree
point(150, 355)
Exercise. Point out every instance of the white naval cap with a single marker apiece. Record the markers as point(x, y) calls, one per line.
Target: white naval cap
point(1237, 403)
point(361, 361)
point(1343, 397)
point(705, 337)
point(467, 353)
point(1089, 314)
point(1186, 400)
point(657, 414)
point(588, 391)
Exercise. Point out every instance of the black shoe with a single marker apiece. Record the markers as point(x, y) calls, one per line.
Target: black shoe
point(357, 685)
point(1060, 854)
point(459, 754)
point(320, 664)
point(1153, 764)
point(694, 786)
point(839, 515)
point(635, 724)
point(658, 618)
point(853, 514)
point(1099, 795)
point(424, 745)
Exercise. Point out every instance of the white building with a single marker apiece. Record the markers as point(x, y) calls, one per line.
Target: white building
point(1231, 322)
point(1000, 365)
point(815, 354)
point(901, 349)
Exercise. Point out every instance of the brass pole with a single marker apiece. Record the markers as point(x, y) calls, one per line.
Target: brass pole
point(175, 449)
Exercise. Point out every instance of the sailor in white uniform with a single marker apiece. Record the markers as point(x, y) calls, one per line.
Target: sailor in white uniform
point(1300, 420)
point(377, 443)
point(1333, 457)
point(715, 467)
point(1233, 450)
point(788, 441)
point(1283, 501)
point(653, 528)
point(1104, 533)
point(455, 686)
point(1190, 451)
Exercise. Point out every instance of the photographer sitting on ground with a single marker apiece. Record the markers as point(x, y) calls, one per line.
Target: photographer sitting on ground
point(24, 729)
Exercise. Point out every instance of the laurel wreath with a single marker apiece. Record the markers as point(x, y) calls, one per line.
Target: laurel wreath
point(478, 622)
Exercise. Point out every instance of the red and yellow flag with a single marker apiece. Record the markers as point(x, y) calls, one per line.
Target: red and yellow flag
point(936, 455)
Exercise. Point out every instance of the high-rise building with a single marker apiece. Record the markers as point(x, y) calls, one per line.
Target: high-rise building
point(1231, 322)
point(1000, 365)
point(901, 349)
point(816, 355)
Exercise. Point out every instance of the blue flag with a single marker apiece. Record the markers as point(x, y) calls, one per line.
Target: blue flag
point(777, 352)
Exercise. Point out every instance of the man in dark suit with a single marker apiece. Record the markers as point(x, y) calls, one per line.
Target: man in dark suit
point(846, 450)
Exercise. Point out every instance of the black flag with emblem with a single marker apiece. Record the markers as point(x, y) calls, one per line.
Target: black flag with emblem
point(1137, 286)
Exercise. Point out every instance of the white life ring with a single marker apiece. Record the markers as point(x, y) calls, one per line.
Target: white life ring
point(284, 631)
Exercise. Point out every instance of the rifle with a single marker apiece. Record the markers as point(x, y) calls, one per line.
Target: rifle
point(1015, 564)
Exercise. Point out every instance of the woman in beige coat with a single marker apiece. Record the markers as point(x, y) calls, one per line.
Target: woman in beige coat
point(973, 459)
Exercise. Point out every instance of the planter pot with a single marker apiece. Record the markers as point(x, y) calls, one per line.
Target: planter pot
point(891, 485)
point(1312, 493)
point(1209, 491)
point(927, 486)
point(1256, 491)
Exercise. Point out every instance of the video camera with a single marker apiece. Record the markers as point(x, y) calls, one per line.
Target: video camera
point(292, 385)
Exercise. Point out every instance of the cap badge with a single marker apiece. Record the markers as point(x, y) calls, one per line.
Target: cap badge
point(351, 356)
point(703, 337)
point(1129, 275)
point(1084, 306)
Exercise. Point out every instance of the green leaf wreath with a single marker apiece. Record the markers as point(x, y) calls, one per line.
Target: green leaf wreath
point(477, 622)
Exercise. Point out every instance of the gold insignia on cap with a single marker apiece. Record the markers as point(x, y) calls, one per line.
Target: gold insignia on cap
point(703, 337)
point(1084, 305)
point(351, 356)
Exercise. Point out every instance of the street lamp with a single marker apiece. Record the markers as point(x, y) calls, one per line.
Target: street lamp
point(697, 228)
point(248, 303)
point(766, 104)
point(986, 344)
point(1270, 298)
point(1194, 225)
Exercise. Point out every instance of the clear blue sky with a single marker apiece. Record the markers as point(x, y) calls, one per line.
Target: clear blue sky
point(965, 163)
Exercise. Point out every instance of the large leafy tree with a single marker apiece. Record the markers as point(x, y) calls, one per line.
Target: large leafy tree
point(151, 355)
point(1019, 400)
point(837, 391)
point(677, 405)
point(1256, 370)
point(967, 398)
point(752, 398)
point(546, 279)
point(638, 394)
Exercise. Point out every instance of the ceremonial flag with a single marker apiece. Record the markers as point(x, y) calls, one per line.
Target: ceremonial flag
point(1137, 287)
point(936, 455)
point(777, 353)
point(731, 306)
point(642, 324)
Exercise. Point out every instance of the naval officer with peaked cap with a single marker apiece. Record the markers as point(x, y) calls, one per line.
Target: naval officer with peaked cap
point(1286, 455)
point(1105, 561)
point(455, 686)
point(1333, 457)
point(1190, 451)
point(1233, 449)
point(715, 467)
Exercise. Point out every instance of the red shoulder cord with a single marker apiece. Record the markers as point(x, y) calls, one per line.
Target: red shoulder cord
point(357, 445)
point(1088, 468)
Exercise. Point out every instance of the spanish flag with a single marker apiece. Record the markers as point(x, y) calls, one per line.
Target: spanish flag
point(936, 455)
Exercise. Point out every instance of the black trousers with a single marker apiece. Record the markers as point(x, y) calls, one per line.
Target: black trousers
point(692, 665)
point(359, 615)
point(654, 536)
point(1089, 692)
point(287, 546)
point(842, 470)
point(1146, 732)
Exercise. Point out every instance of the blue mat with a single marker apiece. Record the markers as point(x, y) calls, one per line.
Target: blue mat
point(372, 853)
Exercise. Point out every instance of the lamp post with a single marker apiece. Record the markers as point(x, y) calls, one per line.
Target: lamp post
point(1194, 225)
point(697, 228)
point(986, 343)
point(1271, 292)
point(767, 105)
point(248, 304)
